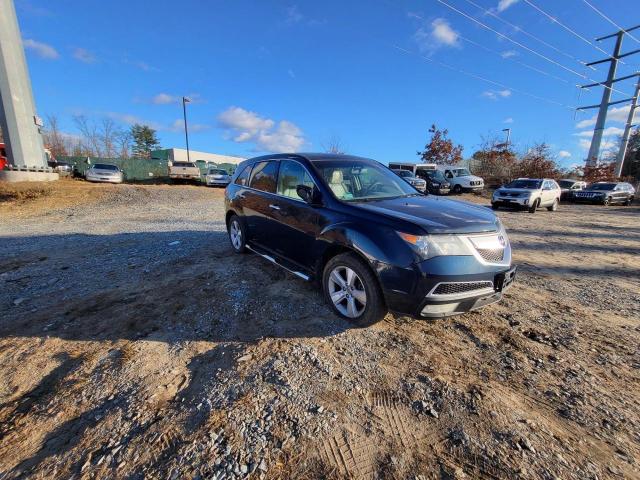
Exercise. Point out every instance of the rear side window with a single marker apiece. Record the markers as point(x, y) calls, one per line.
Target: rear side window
point(243, 177)
point(263, 176)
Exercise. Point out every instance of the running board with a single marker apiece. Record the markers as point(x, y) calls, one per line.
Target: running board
point(273, 260)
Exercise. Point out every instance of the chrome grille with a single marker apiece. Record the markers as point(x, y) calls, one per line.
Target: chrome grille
point(494, 255)
point(460, 287)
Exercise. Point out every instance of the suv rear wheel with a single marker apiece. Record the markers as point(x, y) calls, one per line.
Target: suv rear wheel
point(352, 290)
point(554, 206)
point(237, 235)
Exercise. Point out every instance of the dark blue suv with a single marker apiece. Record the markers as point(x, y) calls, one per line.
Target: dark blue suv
point(373, 241)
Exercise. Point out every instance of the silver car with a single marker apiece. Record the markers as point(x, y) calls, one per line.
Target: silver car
point(104, 172)
point(217, 177)
point(529, 193)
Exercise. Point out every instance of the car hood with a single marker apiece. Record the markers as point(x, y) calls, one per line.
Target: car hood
point(436, 215)
point(471, 178)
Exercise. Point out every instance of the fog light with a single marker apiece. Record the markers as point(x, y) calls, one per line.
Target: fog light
point(439, 308)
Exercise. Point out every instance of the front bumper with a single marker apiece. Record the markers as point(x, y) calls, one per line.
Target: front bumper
point(214, 181)
point(593, 199)
point(511, 201)
point(414, 291)
point(103, 179)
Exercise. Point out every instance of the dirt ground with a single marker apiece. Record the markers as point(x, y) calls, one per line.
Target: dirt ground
point(134, 344)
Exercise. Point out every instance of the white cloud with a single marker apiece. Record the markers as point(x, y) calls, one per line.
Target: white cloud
point(267, 135)
point(178, 126)
point(438, 34)
point(509, 54)
point(84, 55)
point(293, 15)
point(585, 143)
point(504, 4)
point(616, 114)
point(166, 98)
point(607, 132)
point(496, 94)
point(508, 120)
point(564, 154)
point(41, 49)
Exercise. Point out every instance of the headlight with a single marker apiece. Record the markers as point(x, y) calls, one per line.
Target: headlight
point(429, 246)
point(435, 184)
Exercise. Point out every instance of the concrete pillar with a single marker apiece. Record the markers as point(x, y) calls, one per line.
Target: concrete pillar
point(17, 111)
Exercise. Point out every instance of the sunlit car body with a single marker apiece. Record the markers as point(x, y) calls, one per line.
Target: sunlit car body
point(372, 241)
point(529, 193)
point(217, 177)
point(418, 183)
point(104, 172)
point(461, 179)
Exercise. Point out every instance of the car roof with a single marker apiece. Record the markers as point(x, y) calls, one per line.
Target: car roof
point(312, 157)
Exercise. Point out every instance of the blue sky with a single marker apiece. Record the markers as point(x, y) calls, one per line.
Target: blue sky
point(277, 75)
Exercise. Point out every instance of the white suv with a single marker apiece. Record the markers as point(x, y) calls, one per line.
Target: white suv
point(529, 193)
point(461, 179)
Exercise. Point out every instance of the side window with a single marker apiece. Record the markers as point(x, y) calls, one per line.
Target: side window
point(243, 178)
point(263, 176)
point(448, 174)
point(290, 176)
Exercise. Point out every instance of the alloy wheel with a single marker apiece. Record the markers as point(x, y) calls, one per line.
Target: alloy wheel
point(235, 233)
point(347, 291)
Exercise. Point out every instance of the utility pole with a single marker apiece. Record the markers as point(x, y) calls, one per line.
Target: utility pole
point(596, 140)
point(186, 100)
point(627, 131)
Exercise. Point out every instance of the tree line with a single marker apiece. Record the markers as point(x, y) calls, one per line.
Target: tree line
point(100, 138)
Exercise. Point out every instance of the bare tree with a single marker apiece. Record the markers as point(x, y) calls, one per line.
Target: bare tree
point(334, 145)
point(103, 139)
point(54, 139)
point(89, 144)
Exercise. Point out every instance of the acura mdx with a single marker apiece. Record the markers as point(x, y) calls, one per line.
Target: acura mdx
point(369, 238)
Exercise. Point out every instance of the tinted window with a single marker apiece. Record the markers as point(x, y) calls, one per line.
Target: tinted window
point(243, 177)
point(290, 176)
point(264, 176)
point(104, 166)
point(184, 164)
point(566, 183)
point(603, 186)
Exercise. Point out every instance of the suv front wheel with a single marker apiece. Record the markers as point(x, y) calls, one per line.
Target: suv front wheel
point(352, 290)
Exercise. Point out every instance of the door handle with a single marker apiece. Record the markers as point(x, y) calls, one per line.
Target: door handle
point(274, 207)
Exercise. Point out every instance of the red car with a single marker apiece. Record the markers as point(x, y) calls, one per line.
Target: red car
point(3, 156)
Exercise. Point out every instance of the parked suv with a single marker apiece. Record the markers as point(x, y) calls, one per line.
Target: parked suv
point(529, 193)
point(568, 187)
point(372, 241)
point(436, 183)
point(607, 193)
point(411, 179)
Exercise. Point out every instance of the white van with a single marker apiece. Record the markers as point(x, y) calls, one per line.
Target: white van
point(461, 179)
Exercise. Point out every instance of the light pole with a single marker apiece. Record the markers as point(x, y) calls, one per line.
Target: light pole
point(508, 130)
point(186, 100)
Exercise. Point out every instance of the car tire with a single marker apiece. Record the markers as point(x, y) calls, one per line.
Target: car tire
point(237, 234)
point(534, 207)
point(628, 201)
point(554, 206)
point(606, 201)
point(457, 189)
point(339, 292)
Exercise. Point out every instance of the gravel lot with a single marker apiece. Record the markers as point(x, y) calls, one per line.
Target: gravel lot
point(134, 344)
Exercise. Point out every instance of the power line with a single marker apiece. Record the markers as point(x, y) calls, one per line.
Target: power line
point(609, 20)
point(523, 31)
point(573, 32)
point(480, 77)
point(515, 42)
point(526, 65)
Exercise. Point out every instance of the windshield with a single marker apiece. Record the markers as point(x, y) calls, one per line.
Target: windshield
point(460, 172)
point(603, 186)
point(403, 173)
point(528, 184)
point(357, 181)
point(566, 183)
point(104, 166)
point(435, 175)
point(217, 171)
point(184, 164)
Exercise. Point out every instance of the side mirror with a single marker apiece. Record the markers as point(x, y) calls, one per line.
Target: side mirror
point(308, 194)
